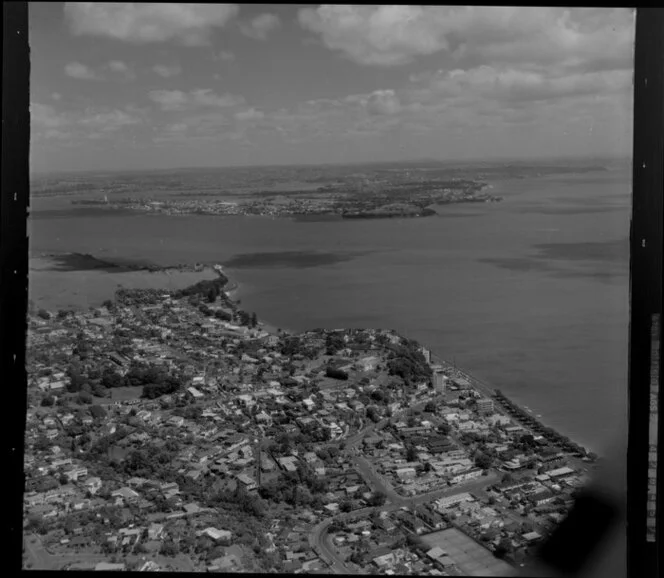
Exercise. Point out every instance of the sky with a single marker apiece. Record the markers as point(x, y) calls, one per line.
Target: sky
point(143, 86)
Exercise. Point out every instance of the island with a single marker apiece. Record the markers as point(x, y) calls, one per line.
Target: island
point(171, 430)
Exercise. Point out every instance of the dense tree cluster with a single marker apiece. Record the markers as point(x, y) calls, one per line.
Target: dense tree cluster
point(299, 488)
point(333, 343)
point(408, 363)
point(336, 373)
point(203, 288)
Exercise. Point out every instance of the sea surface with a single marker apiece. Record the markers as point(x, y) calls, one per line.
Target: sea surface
point(530, 294)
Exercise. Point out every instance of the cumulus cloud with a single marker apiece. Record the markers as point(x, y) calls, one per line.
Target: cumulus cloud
point(170, 100)
point(188, 24)
point(166, 70)
point(107, 120)
point(260, 26)
point(513, 85)
point(121, 68)
point(80, 71)
point(250, 114)
point(47, 122)
point(395, 35)
point(118, 66)
point(45, 116)
point(225, 55)
point(383, 102)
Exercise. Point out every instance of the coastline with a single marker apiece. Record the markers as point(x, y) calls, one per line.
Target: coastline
point(83, 266)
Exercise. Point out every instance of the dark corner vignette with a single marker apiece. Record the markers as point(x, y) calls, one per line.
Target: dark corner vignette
point(14, 256)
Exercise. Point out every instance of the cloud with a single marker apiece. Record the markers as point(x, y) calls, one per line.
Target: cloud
point(250, 114)
point(167, 71)
point(170, 100)
point(118, 66)
point(511, 85)
point(259, 27)
point(188, 24)
point(45, 116)
point(121, 68)
point(80, 71)
point(49, 123)
point(107, 120)
point(56, 96)
point(396, 35)
point(225, 55)
point(383, 102)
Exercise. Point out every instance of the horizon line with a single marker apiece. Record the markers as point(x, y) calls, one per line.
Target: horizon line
point(491, 160)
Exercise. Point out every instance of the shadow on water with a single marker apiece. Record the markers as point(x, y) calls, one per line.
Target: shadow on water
point(294, 259)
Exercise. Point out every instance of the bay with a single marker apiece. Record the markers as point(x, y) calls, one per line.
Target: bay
point(530, 294)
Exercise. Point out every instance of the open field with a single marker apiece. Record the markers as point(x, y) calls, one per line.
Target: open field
point(471, 558)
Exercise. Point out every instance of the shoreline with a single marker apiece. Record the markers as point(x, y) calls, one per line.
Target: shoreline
point(78, 262)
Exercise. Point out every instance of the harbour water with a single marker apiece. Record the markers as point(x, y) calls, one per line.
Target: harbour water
point(530, 294)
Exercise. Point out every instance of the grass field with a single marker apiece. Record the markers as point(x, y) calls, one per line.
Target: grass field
point(471, 558)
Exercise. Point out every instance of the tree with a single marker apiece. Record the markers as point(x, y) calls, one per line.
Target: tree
point(47, 401)
point(430, 407)
point(345, 506)
point(168, 549)
point(377, 499)
point(444, 429)
point(503, 548)
point(411, 453)
point(483, 461)
point(44, 314)
point(76, 380)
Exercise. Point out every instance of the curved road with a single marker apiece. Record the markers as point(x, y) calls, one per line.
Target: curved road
point(318, 536)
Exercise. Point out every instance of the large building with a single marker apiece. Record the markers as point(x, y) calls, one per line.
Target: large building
point(439, 382)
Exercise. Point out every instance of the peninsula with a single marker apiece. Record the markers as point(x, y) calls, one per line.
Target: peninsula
point(172, 430)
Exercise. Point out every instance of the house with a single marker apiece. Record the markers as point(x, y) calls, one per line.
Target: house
point(531, 537)
point(415, 524)
point(436, 553)
point(217, 535)
point(405, 473)
point(75, 473)
point(176, 420)
point(155, 531)
point(470, 474)
point(247, 481)
point(126, 494)
point(433, 519)
point(195, 394)
point(560, 473)
point(383, 556)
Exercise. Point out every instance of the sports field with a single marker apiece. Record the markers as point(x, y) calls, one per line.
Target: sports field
point(471, 558)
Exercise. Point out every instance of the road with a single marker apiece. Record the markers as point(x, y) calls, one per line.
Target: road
point(318, 536)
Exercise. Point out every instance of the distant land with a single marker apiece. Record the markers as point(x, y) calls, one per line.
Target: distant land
point(362, 191)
